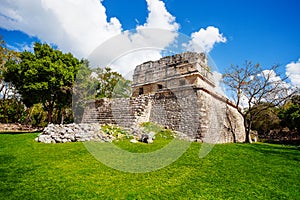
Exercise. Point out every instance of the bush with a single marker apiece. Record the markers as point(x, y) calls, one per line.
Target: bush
point(12, 111)
point(158, 129)
point(113, 130)
point(37, 116)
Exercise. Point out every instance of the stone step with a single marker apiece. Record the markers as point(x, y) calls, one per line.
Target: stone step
point(120, 111)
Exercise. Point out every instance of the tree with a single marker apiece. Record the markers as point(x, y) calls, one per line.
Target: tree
point(266, 119)
point(290, 114)
point(96, 83)
point(111, 84)
point(252, 86)
point(84, 89)
point(12, 111)
point(10, 105)
point(45, 76)
point(6, 89)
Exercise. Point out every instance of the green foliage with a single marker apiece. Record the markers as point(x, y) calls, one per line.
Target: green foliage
point(266, 119)
point(37, 116)
point(5, 55)
point(31, 170)
point(122, 89)
point(160, 131)
point(113, 130)
point(64, 115)
point(111, 84)
point(84, 89)
point(45, 76)
point(12, 111)
point(290, 114)
point(150, 126)
point(97, 83)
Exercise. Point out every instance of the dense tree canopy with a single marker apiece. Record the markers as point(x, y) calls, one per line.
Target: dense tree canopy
point(290, 114)
point(111, 84)
point(45, 76)
point(266, 119)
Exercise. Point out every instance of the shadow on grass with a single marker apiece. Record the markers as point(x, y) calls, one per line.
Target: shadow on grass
point(18, 132)
point(284, 142)
point(289, 152)
point(6, 158)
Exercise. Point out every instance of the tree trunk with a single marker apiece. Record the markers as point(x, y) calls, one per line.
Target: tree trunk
point(248, 137)
point(247, 130)
point(62, 116)
point(28, 116)
point(50, 112)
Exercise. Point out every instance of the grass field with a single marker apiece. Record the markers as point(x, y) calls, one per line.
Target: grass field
point(31, 170)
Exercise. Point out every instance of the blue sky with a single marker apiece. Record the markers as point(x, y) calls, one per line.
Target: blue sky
point(263, 31)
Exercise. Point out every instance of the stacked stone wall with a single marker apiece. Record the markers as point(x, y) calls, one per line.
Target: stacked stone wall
point(197, 113)
point(178, 110)
point(177, 92)
point(125, 112)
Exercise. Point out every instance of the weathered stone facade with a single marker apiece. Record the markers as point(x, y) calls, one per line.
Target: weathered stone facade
point(172, 72)
point(177, 92)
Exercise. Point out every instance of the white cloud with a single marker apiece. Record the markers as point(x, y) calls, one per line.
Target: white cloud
point(293, 72)
point(275, 79)
point(159, 17)
point(271, 74)
point(133, 48)
point(80, 26)
point(126, 63)
point(205, 39)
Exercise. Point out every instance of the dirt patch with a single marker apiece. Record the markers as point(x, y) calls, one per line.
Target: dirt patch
point(18, 128)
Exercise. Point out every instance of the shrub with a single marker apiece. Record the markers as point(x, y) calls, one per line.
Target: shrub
point(114, 130)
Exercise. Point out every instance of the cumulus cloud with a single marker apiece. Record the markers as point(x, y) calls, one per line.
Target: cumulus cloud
point(126, 63)
point(293, 72)
point(159, 31)
point(82, 27)
point(159, 17)
point(78, 26)
point(205, 39)
point(277, 81)
point(271, 74)
point(146, 43)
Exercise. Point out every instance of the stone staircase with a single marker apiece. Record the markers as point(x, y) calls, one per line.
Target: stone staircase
point(125, 112)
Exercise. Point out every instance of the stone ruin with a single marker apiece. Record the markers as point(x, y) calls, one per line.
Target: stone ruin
point(59, 133)
point(177, 92)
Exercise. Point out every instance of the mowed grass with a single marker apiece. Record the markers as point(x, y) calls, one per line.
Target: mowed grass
point(31, 170)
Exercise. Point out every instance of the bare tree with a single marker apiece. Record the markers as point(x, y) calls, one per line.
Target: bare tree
point(250, 86)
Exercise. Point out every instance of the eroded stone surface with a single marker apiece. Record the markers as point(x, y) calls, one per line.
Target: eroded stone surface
point(57, 133)
point(177, 92)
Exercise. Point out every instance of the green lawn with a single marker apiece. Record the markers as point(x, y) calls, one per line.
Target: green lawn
point(31, 170)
